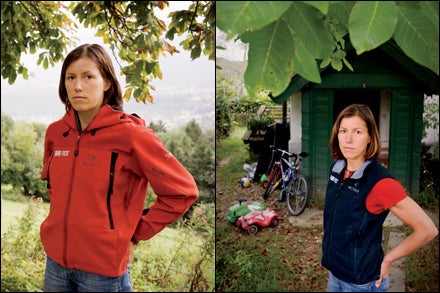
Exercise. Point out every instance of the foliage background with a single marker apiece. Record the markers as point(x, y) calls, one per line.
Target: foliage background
point(281, 46)
point(131, 28)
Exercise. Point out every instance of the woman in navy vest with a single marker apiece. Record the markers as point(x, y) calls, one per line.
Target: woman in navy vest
point(360, 193)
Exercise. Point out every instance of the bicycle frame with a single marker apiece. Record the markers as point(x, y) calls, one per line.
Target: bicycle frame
point(294, 185)
point(286, 169)
point(288, 173)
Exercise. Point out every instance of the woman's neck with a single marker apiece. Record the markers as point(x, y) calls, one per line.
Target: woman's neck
point(85, 117)
point(353, 165)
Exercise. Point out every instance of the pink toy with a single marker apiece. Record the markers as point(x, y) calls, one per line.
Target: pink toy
point(254, 220)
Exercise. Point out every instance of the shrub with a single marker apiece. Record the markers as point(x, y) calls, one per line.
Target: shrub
point(223, 121)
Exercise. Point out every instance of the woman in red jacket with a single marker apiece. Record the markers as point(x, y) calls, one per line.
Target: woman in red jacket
point(98, 162)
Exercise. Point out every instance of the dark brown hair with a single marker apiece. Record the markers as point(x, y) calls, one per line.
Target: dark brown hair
point(113, 96)
point(363, 112)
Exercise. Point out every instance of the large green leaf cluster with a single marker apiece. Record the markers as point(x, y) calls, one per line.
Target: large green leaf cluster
point(131, 29)
point(199, 21)
point(302, 37)
point(32, 27)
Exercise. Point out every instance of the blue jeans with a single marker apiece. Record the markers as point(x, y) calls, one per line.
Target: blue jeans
point(336, 285)
point(60, 279)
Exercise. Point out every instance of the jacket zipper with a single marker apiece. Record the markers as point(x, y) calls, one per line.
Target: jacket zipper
point(68, 201)
point(76, 152)
point(110, 188)
point(80, 130)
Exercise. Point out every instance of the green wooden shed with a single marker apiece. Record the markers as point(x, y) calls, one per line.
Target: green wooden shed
point(393, 86)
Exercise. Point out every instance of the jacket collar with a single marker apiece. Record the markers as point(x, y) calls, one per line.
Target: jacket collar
point(105, 117)
point(339, 167)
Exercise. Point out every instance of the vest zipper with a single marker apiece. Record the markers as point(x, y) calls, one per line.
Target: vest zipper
point(331, 219)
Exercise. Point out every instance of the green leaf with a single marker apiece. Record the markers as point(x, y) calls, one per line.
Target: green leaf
point(195, 52)
point(305, 23)
point(325, 62)
point(337, 64)
point(320, 5)
point(305, 64)
point(371, 24)
point(413, 29)
point(235, 17)
point(271, 50)
point(340, 54)
point(25, 73)
point(430, 9)
point(45, 63)
point(347, 64)
point(339, 11)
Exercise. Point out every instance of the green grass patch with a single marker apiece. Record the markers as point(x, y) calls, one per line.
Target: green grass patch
point(177, 259)
point(12, 211)
point(231, 155)
point(226, 147)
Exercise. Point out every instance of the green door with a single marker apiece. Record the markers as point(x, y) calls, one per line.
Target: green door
point(406, 138)
point(317, 120)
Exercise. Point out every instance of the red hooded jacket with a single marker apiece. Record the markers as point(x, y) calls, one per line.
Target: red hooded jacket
point(97, 183)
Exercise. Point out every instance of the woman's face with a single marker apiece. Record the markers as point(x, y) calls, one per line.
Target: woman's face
point(353, 138)
point(85, 85)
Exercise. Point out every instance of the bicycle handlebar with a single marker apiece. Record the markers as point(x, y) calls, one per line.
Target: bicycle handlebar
point(284, 152)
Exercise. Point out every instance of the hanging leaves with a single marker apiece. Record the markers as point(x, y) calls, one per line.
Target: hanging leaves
point(288, 38)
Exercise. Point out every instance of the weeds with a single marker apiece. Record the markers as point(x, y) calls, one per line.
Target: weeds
point(176, 260)
point(423, 269)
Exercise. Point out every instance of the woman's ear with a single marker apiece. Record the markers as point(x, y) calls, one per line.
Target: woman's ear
point(107, 85)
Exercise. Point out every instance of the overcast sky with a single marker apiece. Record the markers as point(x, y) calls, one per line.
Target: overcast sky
point(233, 50)
point(186, 91)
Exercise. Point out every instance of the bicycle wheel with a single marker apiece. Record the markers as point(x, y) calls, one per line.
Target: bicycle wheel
point(272, 183)
point(297, 195)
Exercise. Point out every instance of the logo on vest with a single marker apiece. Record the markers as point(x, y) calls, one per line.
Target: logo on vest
point(353, 189)
point(334, 179)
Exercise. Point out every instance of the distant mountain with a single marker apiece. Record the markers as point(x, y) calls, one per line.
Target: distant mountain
point(232, 70)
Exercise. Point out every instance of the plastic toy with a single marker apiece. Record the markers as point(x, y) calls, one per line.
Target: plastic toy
point(250, 169)
point(245, 182)
point(240, 209)
point(264, 178)
point(255, 220)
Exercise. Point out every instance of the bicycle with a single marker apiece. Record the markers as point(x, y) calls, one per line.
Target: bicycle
point(294, 186)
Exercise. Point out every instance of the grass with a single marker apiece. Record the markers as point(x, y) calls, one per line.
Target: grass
point(9, 213)
point(13, 210)
point(174, 260)
point(285, 258)
point(271, 260)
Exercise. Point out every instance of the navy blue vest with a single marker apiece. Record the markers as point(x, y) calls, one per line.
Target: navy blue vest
point(352, 241)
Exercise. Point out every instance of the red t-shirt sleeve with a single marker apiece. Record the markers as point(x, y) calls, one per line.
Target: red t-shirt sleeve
point(386, 193)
